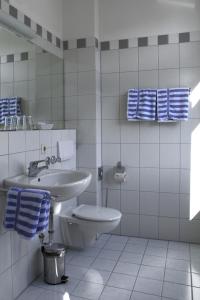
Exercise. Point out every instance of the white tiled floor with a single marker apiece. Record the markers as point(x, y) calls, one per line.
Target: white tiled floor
point(118, 267)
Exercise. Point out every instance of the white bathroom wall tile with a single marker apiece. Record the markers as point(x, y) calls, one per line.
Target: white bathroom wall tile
point(189, 54)
point(70, 61)
point(71, 108)
point(129, 132)
point(149, 155)
point(185, 206)
point(19, 247)
point(110, 108)
point(110, 61)
point(169, 56)
point(196, 293)
point(149, 203)
point(45, 138)
point(169, 180)
point(132, 180)
point(16, 164)
point(86, 107)
point(148, 79)
point(5, 253)
point(86, 132)
point(6, 285)
point(20, 282)
point(170, 133)
point(87, 83)
point(189, 77)
point(170, 156)
point(86, 155)
point(130, 155)
point(4, 167)
point(149, 132)
point(86, 59)
point(4, 143)
point(128, 59)
point(149, 226)
point(110, 84)
point(113, 199)
point(169, 205)
point(189, 230)
point(149, 179)
point(189, 130)
point(130, 202)
point(110, 154)
point(88, 198)
point(110, 131)
point(16, 142)
point(148, 58)
point(185, 181)
point(7, 90)
point(32, 140)
point(128, 80)
point(43, 87)
point(56, 136)
point(20, 71)
point(168, 228)
point(71, 84)
point(7, 72)
point(169, 78)
point(185, 156)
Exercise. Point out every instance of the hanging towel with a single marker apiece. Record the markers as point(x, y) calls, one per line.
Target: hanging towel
point(27, 211)
point(65, 149)
point(9, 107)
point(172, 104)
point(132, 104)
point(141, 104)
point(147, 104)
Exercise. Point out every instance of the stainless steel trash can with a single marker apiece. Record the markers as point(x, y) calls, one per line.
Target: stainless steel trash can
point(54, 263)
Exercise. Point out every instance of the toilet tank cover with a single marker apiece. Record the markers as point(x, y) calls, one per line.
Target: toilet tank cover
point(96, 213)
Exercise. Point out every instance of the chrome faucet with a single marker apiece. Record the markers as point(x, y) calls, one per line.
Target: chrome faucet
point(34, 170)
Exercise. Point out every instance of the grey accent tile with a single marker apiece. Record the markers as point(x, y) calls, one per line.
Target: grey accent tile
point(10, 58)
point(49, 37)
point(24, 56)
point(27, 21)
point(13, 11)
point(142, 41)
point(65, 45)
point(123, 44)
point(38, 29)
point(58, 43)
point(105, 46)
point(81, 43)
point(163, 39)
point(184, 37)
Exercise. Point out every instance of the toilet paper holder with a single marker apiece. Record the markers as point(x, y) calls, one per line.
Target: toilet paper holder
point(119, 173)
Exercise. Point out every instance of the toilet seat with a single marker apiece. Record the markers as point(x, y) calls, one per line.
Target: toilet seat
point(96, 213)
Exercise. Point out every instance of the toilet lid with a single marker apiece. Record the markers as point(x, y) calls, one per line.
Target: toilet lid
point(96, 213)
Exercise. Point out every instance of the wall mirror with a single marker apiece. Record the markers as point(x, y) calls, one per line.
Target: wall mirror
point(31, 81)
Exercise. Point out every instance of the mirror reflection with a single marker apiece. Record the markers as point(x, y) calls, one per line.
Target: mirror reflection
point(31, 85)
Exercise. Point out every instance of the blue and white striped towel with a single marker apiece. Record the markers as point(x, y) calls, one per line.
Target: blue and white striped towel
point(173, 104)
point(27, 211)
point(141, 104)
point(9, 107)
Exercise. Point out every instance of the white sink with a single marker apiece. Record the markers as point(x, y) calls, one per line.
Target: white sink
point(63, 184)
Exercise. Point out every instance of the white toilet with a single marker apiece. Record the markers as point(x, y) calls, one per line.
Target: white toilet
point(79, 226)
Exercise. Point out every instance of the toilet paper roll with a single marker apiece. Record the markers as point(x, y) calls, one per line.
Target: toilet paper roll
point(120, 177)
